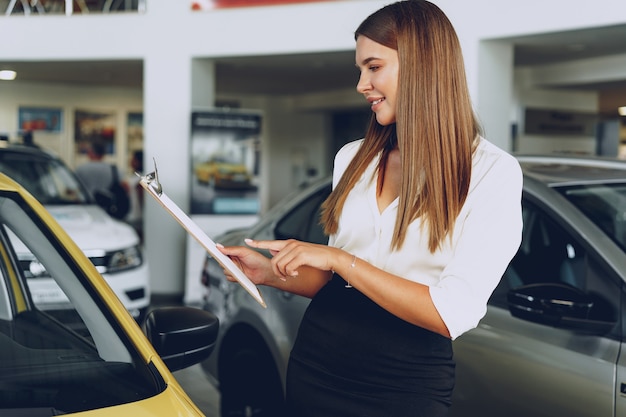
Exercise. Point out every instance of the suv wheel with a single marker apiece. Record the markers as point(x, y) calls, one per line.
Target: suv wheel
point(249, 383)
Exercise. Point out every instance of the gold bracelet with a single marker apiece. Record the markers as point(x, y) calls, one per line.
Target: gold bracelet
point(352, 265)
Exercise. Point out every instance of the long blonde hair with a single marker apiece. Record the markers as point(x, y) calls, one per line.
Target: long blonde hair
point(435, 129)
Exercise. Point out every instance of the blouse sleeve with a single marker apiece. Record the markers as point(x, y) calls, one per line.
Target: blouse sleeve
point(487, 237)
point(342, 159)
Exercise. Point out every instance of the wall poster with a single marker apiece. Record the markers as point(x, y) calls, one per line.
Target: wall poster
point(40, 118)
point(200, 5)
point(134, 126)
point(559, 122)
point(225, 162)
point(134, 142)
point(94, 126)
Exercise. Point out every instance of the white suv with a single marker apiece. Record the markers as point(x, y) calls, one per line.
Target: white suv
point(112, 246)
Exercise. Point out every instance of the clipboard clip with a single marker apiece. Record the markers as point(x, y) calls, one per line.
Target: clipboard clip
point(152, 179)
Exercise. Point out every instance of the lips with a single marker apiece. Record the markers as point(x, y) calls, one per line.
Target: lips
point(377, 101)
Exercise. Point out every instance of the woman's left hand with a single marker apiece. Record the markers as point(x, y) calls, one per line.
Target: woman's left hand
point(289, 255)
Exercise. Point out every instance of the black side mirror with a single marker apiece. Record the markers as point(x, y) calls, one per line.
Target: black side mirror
point(562, 306)
point(182, 336)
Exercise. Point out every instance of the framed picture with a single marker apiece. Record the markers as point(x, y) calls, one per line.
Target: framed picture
point(94, 126)
point(225, 161)
point(134, 131)
point(134, 142)
point(40, 118)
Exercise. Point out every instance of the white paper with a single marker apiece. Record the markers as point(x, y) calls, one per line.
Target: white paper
point(205, 241)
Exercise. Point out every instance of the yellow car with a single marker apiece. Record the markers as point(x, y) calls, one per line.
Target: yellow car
point(221, 173)
point(93, 359)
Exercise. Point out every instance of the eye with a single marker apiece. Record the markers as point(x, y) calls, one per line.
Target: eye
point(374, 68)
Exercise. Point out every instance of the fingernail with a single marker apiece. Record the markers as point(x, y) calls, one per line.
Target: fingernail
point(248, 240)
point(219, 245)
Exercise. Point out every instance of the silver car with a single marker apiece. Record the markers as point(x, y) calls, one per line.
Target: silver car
point(551, 343)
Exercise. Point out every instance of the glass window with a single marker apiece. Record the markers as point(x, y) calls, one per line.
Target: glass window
point(48, 180)
point(549, 254)
point(63, 363)
point(603, 204)
point(303, 222)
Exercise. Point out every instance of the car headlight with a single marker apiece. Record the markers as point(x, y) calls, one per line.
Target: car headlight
point(31, 267)
point(118, 261)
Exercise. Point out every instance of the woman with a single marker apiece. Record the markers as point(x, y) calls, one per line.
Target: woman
point(424, 218)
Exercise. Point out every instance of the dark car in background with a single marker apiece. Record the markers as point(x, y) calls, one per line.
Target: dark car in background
point(552, 341)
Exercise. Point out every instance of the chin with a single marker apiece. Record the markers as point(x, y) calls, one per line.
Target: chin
point(385, 121)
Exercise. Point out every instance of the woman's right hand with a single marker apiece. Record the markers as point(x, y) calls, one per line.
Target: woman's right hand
point(253, 264)
point(306, 281)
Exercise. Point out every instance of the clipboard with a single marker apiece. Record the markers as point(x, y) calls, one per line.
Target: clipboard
point(150, 182)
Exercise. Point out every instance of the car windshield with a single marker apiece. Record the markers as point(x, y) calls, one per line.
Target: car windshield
point(604, 204)
point(48, 180)
point(65, 361)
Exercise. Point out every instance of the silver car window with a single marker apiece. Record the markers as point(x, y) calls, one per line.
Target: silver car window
point(303, 222)
point(604, 204)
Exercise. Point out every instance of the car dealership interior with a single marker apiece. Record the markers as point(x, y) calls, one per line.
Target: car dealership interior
point(545, 77)
point(232, 105)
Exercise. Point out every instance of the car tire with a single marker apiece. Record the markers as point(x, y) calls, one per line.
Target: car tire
point(249, 382)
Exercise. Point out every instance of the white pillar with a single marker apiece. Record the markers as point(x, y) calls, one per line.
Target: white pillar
point(495, 91)
point(167, 98)
point(202, 83)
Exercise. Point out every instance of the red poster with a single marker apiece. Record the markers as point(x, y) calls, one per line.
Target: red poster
point(221, 4)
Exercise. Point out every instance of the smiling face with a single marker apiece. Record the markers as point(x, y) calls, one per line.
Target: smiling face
point(378, 82)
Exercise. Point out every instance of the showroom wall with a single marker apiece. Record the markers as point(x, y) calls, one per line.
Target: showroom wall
point(118, 101)
point(527, 95)
point(169, 37)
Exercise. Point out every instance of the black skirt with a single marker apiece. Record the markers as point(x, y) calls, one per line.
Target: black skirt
point(353, 358)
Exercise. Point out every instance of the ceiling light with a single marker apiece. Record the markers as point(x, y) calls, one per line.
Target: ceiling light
point(622, 110)
point(7, 75)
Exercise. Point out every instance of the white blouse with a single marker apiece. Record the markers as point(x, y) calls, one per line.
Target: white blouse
point(463, 273)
